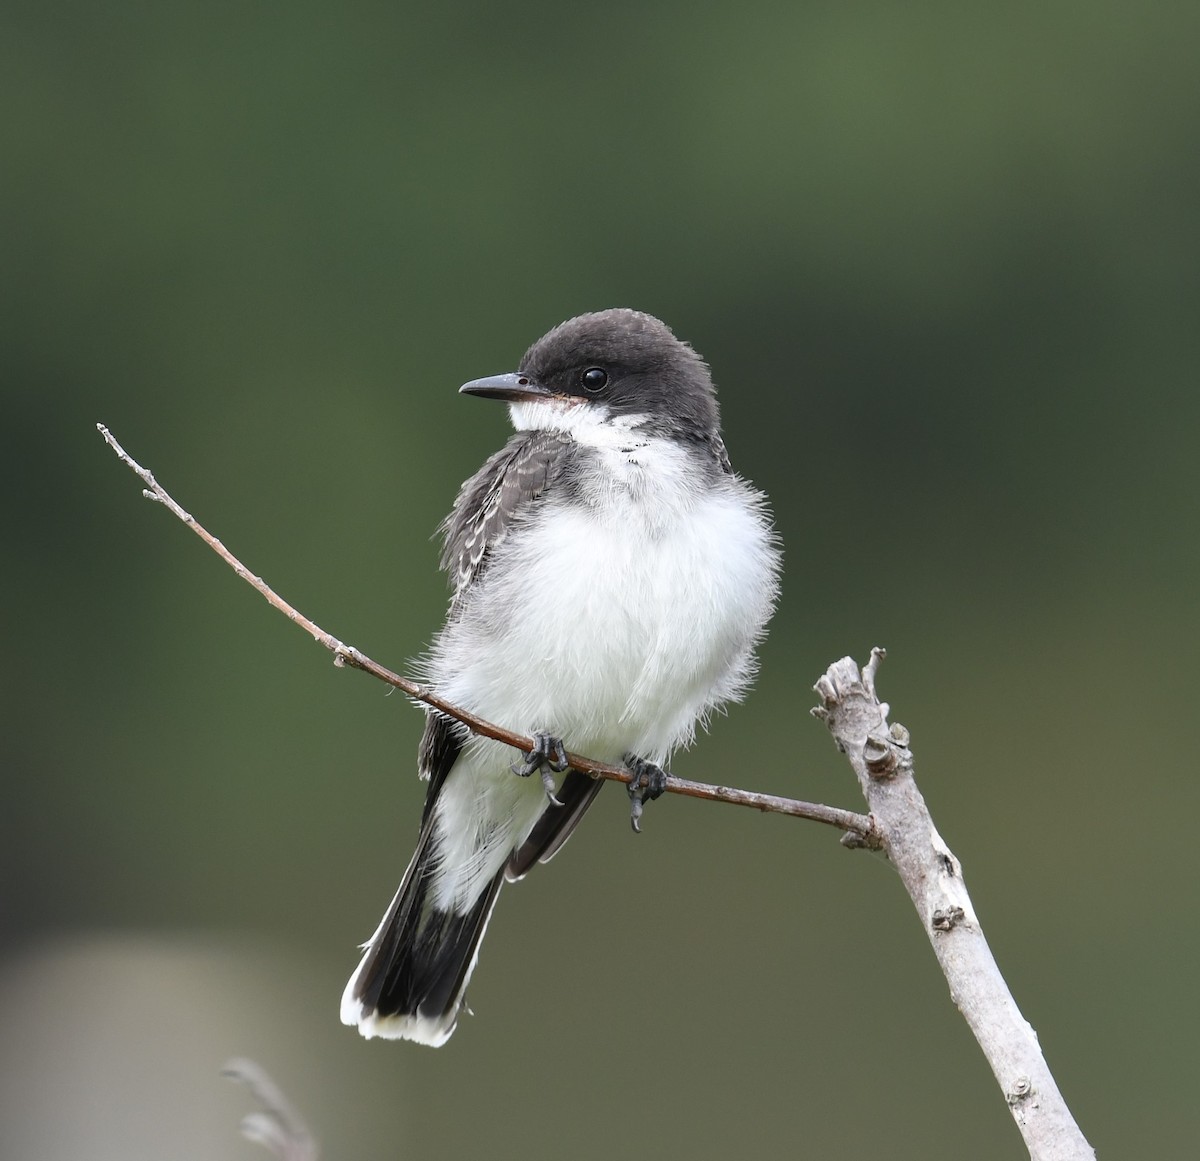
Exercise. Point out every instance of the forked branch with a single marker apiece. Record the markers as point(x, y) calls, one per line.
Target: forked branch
point(880, 755)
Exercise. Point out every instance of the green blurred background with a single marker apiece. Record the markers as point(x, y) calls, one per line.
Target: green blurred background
point(943, 261)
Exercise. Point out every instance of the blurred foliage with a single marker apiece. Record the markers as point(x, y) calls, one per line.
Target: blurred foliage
point(943, 261)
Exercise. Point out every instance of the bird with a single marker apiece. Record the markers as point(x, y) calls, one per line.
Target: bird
point(611, 578)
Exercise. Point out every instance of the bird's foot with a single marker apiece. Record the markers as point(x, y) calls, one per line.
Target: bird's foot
point(548, 755)
point(648, 783)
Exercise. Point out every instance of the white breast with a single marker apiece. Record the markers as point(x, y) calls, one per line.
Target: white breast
point(618, 622)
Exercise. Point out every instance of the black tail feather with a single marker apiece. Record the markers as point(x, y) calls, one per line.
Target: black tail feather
point(415, 971)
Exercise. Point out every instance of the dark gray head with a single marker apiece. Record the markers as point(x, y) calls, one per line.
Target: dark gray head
point(624, 360)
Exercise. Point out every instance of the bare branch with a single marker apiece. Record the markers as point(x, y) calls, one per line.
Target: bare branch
point(860, 826)
point(880, 755)
point(278, 1127)
point(899, 824)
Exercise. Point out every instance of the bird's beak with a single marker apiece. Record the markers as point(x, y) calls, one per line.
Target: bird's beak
point(512, 388)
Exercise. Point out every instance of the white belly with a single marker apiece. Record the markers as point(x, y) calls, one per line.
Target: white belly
point(615, 626)
point(616, 632)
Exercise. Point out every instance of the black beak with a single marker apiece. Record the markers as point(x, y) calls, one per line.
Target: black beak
point(512, 388)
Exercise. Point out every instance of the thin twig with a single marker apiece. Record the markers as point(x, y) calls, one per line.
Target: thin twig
point(880, 755)
point(861, 826)
point(278, 1127)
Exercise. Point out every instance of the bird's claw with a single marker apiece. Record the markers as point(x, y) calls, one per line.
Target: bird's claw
point(548, 755)
point(549, 787)
point(648, 783)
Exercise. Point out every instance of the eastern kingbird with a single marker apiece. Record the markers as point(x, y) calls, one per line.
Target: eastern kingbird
point(611, 577)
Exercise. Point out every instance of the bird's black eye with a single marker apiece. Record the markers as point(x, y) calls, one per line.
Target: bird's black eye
point(594, 379)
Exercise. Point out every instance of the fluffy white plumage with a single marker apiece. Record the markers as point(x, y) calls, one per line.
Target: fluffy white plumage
point(616, 626)
point(617, 617)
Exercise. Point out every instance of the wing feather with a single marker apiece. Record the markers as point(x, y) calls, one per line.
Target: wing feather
point(496, 499)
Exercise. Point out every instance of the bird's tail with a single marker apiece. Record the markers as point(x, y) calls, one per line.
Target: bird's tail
point(415, 968)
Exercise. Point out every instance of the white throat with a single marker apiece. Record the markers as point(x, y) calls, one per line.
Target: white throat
point(587, 422)
point(634, 480)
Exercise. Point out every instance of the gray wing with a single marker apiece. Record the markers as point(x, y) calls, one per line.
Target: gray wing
point(493, 501)
point(489, 504)
point(496, 498)
point(441, 743)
